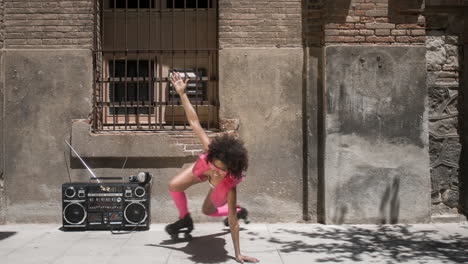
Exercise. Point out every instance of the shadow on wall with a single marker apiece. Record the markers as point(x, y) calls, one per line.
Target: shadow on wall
point(399, 11)
point(390, 203)
point(131, 163)
point(405, 11)
point(321, 12)
point(389, 207)
point(463, 119)
point(392, 243)
point(337, 10)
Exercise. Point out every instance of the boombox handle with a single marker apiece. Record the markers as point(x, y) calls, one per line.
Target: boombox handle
point(106, 178)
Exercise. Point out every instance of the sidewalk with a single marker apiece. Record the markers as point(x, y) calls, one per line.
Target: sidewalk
point(271, 243)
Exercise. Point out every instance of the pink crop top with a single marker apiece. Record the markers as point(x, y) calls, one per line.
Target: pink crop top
point(202, 165)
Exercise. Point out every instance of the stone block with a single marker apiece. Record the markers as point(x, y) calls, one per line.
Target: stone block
point(262, 88)
point(117, 145)
point(44, 90)
point(376, 135)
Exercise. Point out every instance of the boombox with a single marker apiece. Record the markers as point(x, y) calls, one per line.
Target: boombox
point(106, 206)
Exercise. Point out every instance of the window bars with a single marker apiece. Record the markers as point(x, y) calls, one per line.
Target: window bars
point(137, 45)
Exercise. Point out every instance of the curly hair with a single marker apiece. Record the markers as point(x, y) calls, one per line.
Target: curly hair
point(231, 152)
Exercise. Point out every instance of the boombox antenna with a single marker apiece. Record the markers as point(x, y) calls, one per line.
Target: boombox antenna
point(82, 161)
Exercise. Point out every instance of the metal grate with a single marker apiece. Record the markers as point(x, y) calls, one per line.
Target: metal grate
point(137, 45)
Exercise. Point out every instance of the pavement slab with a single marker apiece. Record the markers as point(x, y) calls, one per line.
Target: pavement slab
point(284, 243)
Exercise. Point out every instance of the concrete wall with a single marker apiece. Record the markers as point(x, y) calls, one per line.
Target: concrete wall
point(263, 89)
point(44, 91)
point(2, 150)
point(376, 137)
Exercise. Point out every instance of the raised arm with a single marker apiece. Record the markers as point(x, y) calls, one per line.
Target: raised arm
point(180, 86)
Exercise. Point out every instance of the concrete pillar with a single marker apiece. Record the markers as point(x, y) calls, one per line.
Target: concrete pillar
point(313, 117)
point(44, 91)
point(262, 88)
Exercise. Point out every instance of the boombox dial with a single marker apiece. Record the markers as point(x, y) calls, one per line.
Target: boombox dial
point(70, 192)
point(139, 192)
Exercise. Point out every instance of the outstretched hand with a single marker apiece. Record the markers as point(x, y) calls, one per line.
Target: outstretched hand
point(178, 83)
point(242, 259)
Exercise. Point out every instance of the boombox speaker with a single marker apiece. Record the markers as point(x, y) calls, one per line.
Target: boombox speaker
point(106, 206)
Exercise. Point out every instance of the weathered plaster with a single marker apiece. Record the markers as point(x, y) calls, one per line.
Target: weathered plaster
point(376, 135)
point(263, 89)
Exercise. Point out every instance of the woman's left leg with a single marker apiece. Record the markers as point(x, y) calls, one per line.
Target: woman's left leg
point(210, 209)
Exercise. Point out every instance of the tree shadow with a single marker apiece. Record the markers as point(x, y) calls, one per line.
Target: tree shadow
point(391, 243)
point(5, 235)
point(202, 249)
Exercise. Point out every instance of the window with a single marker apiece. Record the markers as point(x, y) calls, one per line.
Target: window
point(188, 3)
point(131, 3)
point(196, 90)
point(129, 83)
point(138, 44)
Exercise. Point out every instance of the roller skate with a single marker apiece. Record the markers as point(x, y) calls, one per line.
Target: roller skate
point(184, 225)
point(242, 214)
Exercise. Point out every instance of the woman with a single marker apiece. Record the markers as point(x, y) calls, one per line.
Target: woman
point(222, 165)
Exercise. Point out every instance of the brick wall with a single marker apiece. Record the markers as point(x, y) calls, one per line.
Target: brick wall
point(364, 22)
point(190, 143)
point(260, 23)
point(48, 24)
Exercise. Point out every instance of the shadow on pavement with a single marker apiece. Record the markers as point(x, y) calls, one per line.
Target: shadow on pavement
point(392, 243)
point(203, 249)
point(4, 235)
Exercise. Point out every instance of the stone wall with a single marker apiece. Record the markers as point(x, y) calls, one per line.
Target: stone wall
point(373, 103)
point(46, 91)
point(260, 84)
point(444, 60)
point(42, 93)
point(376, 167)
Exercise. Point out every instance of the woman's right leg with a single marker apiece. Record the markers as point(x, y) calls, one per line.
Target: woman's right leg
point(178, 185)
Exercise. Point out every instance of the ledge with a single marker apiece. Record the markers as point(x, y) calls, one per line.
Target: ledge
point(131, 145)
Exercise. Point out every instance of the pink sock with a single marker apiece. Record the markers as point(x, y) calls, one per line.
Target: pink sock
point(223, 211)
point(180, 201)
